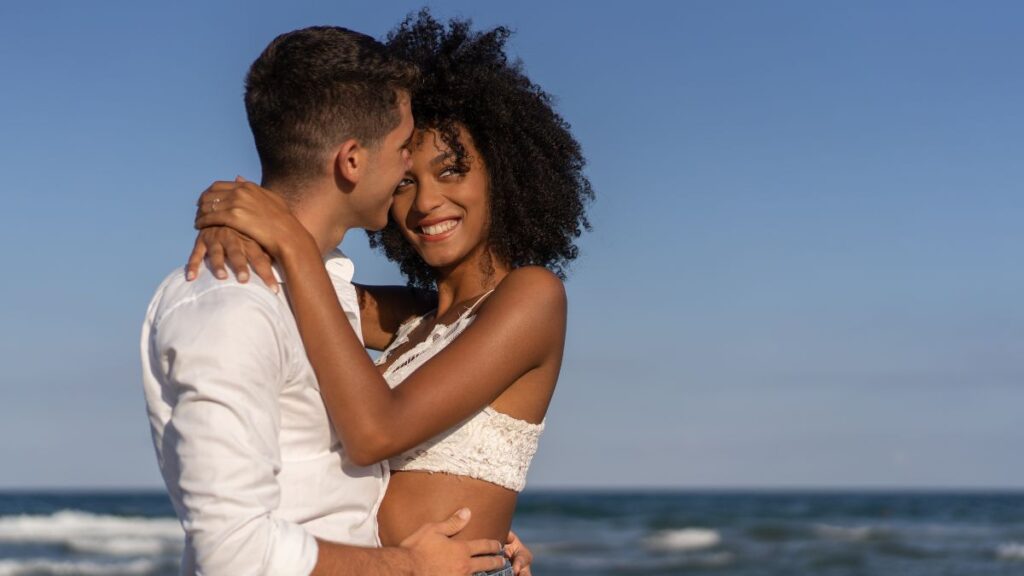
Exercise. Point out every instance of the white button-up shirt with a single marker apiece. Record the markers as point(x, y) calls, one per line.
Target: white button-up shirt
point(242, 436)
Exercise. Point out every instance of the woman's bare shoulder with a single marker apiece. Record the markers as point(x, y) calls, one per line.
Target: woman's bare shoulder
point(530, 288)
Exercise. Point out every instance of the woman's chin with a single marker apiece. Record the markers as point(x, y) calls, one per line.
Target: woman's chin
point(438, 261)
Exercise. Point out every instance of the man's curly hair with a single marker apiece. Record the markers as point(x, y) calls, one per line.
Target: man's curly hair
point(538, 193)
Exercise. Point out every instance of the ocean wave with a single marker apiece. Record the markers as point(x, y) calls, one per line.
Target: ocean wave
point(61, 568)
point(1010, 551)
point(568, 547)
point(775, 532)
point(95, 534)
point(851, 533)
point(683, 539)
point(123, 546)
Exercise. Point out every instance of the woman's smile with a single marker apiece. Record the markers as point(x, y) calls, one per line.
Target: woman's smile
point(436, 231)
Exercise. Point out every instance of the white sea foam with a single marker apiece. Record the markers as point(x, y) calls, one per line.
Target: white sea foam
point(60, 568)
point(124, 546)
point(95, 534)
point(1011, 551)
point(683, 539)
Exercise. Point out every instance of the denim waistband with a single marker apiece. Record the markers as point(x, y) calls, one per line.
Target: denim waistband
point(506, 570)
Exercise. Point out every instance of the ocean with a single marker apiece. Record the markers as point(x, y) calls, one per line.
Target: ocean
point(595, 533)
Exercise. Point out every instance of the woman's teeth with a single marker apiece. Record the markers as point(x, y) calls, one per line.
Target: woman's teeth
point(439, 228)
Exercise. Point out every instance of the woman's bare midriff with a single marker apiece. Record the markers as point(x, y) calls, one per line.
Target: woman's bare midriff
point(416, 498)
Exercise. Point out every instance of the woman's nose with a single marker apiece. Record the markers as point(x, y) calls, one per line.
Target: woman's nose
point(428, 198)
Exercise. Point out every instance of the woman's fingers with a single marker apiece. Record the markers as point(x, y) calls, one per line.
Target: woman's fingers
point(520, 555)
point(213, 219)
point(215, 258)
point(236, 256)
point(218, 205)
point(195, 259)
point(219, 189)
point(261, 263)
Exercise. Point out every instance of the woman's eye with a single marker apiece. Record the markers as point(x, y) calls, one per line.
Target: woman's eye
point(451, 172)
point(404, 182)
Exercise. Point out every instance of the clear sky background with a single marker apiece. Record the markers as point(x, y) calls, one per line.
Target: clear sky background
point(805, 267)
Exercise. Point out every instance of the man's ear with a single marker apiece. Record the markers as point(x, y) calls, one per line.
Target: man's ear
point(350, 160)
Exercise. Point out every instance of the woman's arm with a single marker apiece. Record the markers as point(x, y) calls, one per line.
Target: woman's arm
point(521, 328)
point(382, 309)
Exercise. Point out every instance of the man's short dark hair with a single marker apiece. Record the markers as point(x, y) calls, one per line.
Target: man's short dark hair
point(314, 88)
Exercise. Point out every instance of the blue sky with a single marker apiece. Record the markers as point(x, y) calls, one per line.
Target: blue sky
point(804, 269)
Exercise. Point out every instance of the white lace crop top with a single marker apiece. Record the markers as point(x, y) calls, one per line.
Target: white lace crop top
point(489, 445)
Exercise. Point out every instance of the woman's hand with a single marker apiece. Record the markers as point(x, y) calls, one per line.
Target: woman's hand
point(219, 244)
point(254, 212)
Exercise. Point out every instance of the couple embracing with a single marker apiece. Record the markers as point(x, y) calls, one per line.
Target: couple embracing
point(285, 449)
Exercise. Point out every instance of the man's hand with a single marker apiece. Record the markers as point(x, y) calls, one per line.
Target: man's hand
point(519, 554)
point(436, 554)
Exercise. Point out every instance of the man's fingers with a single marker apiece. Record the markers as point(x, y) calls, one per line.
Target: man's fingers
point(455, 523)
point(485, 563)
point(192, 267)
point(484, 546)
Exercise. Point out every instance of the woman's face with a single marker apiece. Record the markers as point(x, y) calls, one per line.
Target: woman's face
point(441, 206)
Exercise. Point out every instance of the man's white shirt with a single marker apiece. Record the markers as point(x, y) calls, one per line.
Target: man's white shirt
point(242, 436)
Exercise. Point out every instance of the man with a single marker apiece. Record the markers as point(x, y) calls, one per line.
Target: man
point(243, 440)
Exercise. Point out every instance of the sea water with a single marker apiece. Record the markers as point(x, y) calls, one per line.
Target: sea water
point(597, 534)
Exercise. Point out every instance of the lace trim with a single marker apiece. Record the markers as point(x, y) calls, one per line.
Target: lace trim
point(490, 446)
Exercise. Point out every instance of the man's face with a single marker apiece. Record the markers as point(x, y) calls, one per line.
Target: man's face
point(388, 163)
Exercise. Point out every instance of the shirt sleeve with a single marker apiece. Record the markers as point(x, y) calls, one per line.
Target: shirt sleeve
point(226, 362)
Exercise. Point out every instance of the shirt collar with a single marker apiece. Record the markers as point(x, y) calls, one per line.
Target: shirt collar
point(339, 267)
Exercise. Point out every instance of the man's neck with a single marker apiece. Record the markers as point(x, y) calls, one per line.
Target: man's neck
point(316, 209)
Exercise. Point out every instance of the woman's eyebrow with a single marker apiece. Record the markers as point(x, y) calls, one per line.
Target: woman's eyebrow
point(440, 158)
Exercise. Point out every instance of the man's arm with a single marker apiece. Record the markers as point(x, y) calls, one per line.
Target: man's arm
point(225, 364)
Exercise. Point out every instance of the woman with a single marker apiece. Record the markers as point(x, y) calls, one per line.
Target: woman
point(487, 215)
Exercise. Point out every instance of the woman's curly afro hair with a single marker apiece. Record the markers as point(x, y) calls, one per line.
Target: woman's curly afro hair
point(538, 193)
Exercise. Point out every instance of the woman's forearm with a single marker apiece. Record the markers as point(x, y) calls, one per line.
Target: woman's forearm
point(358, 399)
point(521, 328)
